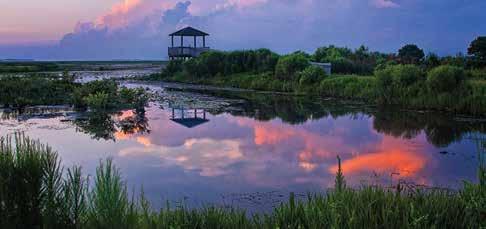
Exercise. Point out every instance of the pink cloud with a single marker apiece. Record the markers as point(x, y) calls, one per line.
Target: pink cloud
point(129, 11)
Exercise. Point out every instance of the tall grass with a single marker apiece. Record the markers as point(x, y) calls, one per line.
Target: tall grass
point(35, 192)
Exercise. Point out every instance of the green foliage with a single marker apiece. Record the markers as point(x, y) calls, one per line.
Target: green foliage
point(445, 78)
point(397, 80)
point(211, 64)
point(24, 91)
point(411, 54)
point(349, 87)
point(16, 67)
point(18, 92)
point(107, 87)
point(108, 202)
point(97, 101)
point(477, 49)
point(311, 75)
point(288, 66)
point(432, 61)
point(33, 193)
point(346, 61)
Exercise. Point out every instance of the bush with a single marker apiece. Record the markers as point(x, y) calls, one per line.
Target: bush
point(393, 81)
point(288, 66)
point(24, 91)
point(98, 101)
point(445, 78)
point(311, 75)
point(398, 76)
point(108, 87)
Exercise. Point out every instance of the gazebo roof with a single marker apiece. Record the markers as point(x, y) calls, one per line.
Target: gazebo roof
point(190, 32)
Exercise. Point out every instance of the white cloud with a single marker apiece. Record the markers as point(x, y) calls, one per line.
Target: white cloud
point(384, 4)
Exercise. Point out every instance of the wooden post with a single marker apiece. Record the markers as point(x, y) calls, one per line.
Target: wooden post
point(182, 46)
point(204, 41)
point(195, 42)
point(172, 40)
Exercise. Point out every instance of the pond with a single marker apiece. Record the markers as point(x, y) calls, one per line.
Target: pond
point(250, 150)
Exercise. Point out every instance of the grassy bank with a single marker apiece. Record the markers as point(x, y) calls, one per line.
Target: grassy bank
point(19, 92)
point(444, 87)
point(36, 192)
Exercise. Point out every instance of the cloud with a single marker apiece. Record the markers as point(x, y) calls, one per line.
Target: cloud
point(131, 11)
point(384, 4)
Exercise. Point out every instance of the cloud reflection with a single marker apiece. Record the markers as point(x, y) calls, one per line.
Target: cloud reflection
point(207, 157)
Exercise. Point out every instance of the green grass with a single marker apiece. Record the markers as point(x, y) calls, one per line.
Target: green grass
point(36, 192)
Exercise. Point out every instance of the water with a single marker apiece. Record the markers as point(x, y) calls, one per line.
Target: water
point(250, 150)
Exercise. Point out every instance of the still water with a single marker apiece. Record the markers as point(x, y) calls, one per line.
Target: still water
point(250, 150)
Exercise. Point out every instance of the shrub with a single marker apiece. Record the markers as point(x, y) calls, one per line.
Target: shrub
point(399, 76)
point(108, 87)
point(445, 78)
point(172, 68)
point(393, 80)
point(288, 66)
point(98, 101)
point(311, 75)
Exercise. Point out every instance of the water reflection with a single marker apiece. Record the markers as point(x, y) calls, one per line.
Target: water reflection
point(113, 126)
point(267, 143)
point(189, 117)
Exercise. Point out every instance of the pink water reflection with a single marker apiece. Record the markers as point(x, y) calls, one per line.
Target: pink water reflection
point(276, 154)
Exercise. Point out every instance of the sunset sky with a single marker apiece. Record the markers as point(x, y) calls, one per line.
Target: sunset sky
point(107, 29)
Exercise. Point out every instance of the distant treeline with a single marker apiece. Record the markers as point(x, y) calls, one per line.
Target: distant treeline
point(408, 79)
point(50, 66)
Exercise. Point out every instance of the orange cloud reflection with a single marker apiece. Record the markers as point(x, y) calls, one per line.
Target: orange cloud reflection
point(392, 157)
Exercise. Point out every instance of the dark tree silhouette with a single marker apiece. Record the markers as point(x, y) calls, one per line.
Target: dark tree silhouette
point(411, 54)
point(477, 50)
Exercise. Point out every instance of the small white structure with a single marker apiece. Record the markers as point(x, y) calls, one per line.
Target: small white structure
point(327, 67)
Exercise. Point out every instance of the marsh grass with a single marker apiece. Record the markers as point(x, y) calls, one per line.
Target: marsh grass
point(35, 192)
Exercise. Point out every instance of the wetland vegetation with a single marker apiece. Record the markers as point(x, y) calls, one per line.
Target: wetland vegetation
point(19, 92)
point(409, 79)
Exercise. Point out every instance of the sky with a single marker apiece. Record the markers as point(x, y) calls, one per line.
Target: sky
point(138, 29)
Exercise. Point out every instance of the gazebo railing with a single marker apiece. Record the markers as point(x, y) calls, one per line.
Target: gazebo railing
point(187, 51)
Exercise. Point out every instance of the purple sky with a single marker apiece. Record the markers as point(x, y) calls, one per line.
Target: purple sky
point(138, 29)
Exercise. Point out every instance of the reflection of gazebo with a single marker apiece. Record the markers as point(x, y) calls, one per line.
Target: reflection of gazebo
point(189, 117)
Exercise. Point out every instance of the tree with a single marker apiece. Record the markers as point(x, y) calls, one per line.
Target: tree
point(477, 50)
point(411, 54)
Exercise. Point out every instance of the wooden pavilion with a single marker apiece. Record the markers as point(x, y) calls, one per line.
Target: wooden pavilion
point(187, 51)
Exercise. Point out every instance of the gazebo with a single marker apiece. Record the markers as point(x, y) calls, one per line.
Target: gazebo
point(189, 117)
point(183, 52)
